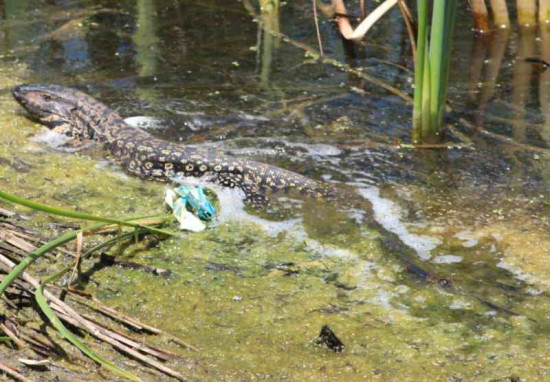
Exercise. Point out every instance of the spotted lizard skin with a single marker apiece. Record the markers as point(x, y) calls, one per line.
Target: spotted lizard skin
point(82, 117)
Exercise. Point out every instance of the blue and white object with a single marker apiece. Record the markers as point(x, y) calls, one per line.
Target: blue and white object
point(195, 197)
point(184, 201)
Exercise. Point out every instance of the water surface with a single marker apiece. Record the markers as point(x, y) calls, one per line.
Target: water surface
point(254, 292)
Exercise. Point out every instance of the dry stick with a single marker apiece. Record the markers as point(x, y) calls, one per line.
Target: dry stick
point(298, 110)
point(497, 136)
point(106, 310)
point(512, 142)
point(506, 121)
point(95, 331)
point(544, 11)
point(20, 344)
point(13, 232)
point(123, 339)
point(40, 345)
point(481, 15)
point(74, 318)
point(20, 231)
point(9, 302)
point(405, 11)
point(433, 146)
point(78, 260)
point(96, 305)
point(110, 311)
point(74, 322)
point(330, 61)
point(15, 241)
point(358, 33)
point(7, 237)
point(526, 12)
point(501, 18)
point(346, 68)
point(7, 213)
point(12, 250)
point(13, 373)
point(21, 234)
point(143, 347)
point(41, 338)
point(316, 19)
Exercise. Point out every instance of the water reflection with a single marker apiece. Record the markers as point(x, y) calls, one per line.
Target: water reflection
point(509, 112)
point(13, 11)
point(145, 38)
point(521, 88)
point(544, 88)
point(146, 43)
point(110, 42)
point(268, 42)
point(192, 64)
point(487, 58)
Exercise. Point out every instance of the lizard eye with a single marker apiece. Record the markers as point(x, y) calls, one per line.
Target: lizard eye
point(46, 97)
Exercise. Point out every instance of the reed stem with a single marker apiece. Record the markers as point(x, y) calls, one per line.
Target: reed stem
point(527, 11)
point(501, 18)
point(481, 16)
point(432, 68)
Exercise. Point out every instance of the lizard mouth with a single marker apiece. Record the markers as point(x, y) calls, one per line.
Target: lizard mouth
point(28, 97)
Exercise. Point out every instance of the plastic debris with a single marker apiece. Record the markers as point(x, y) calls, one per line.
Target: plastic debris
point(187, 220)
point(197, 200)
point(185, 202)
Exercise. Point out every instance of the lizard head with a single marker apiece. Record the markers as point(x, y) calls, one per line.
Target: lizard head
point(60, 109)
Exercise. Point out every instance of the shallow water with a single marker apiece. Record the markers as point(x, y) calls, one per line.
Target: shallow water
point(254, 292)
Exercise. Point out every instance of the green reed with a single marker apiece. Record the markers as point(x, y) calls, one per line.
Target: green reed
point(432, 67)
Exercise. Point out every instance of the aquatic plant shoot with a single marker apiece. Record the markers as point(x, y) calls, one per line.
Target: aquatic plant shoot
point(432, 63)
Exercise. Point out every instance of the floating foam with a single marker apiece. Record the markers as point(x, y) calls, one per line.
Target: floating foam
point(516, 271)
point(447, 259)
point(389, 215)
point(469, 239)
point(317, 149)
point(145, 123)
point(311, 150)
point(50, 138)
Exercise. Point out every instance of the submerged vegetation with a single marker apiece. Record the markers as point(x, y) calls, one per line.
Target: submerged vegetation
point(529, 13)
point(440, 272)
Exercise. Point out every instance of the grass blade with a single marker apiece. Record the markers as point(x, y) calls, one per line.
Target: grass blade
point(56, 322)
point(78, 215)
point(420, 68)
